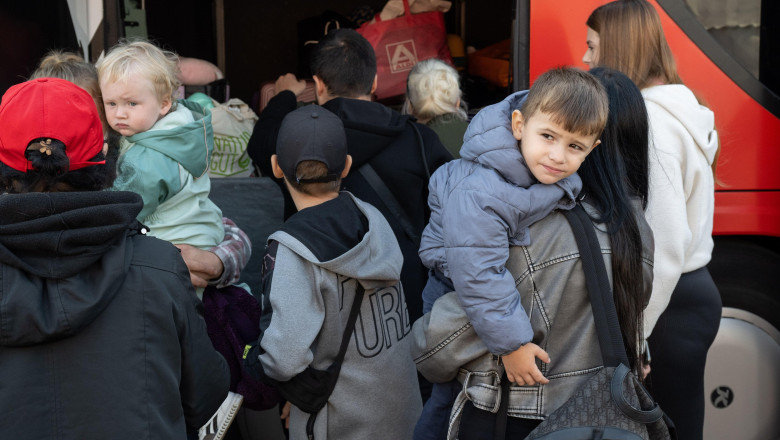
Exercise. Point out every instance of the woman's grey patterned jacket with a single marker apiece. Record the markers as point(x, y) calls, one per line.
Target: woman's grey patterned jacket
point(549, 278)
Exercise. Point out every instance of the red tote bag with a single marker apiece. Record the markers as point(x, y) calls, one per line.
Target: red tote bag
point(400, 43)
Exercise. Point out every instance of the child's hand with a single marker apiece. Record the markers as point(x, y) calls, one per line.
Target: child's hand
point(521, 367)
point(645, 370)
point(285, 415)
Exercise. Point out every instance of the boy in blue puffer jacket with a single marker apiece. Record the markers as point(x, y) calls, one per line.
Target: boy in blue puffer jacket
point(518, 163)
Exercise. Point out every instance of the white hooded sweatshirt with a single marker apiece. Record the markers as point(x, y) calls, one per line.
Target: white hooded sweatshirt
point(682, 193)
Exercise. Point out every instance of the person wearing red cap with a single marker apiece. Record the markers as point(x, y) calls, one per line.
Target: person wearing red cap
point(100, 333)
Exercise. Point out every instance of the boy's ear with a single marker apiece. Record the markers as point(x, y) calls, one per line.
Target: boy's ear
point(518, 123)
point(166, 107)
point(373, 86)
point(320, 89)
point(276, 168)
point(347, 166)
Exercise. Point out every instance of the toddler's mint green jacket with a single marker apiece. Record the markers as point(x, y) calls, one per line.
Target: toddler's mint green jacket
point(167, 166)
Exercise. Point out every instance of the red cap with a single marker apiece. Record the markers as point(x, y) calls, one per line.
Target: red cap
point(49, 108)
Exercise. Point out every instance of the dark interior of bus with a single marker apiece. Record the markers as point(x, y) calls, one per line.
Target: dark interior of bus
point(260, 39)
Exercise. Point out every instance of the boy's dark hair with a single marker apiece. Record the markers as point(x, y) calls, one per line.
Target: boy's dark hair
point(572, 97)
point(345, 62)
point(313, 170)
point(50, 171)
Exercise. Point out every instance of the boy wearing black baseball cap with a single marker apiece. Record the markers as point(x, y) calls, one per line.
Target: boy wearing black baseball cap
point(335, 251)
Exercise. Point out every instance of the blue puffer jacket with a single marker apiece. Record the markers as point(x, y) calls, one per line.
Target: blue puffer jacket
point(480, 205)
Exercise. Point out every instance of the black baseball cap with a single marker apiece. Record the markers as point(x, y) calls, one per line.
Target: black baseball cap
point(311, 133)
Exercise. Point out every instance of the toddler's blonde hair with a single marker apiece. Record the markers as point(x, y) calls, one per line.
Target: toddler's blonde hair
point(139, 57)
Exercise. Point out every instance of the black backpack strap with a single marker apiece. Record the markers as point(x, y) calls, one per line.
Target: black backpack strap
point(499, 430)
point(345, 338)
point(390, 201)
point(384, 193)
point(422, 147)
point(602, 303)
point(353, 313)
point(613, 351)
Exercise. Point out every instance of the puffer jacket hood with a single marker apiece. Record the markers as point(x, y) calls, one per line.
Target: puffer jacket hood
point(698, 120)
point(46, 241)
point(183, 141)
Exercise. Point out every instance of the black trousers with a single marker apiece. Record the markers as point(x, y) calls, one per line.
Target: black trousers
point(679, 345)
point(476, 424)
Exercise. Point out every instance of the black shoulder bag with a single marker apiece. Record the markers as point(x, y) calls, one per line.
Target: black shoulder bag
point(612, 404)
point(310, 389)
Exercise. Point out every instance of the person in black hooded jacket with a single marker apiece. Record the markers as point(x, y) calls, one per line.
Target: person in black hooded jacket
point(101, 334)
point(402, 153)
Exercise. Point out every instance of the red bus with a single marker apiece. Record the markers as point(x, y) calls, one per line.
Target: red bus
point(724, 53)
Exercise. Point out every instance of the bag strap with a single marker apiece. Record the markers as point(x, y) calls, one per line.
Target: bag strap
point(384, 193)
point(613, 351)
point(407, 9)
point(353, 313)
point(345, 338)
point(422, 148)
point(375, 182)
point(499, 430)
point(407, 12)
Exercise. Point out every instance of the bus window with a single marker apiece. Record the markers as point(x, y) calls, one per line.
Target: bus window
point(737, 29)
point(736, 26)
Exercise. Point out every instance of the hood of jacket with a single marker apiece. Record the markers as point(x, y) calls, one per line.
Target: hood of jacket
point(369, 125)
point(698, 120)
point(186, 141)
point(56, 278)
point(375, 260)
point(489, 141)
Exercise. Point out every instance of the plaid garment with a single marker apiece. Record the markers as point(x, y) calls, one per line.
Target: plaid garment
point(234, 252)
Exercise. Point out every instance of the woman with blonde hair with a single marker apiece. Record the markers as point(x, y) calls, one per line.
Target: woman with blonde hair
point(72, 67)
point(434, 97)
point(684, 311)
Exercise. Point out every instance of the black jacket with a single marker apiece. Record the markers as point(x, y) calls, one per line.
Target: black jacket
point(385, 139)
point(101, 334)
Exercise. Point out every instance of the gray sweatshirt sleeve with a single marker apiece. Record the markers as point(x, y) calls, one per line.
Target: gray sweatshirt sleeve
point(297, 314)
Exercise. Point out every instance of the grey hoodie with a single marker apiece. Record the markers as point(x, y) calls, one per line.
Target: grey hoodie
point(309, 286)
point(480, 205)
